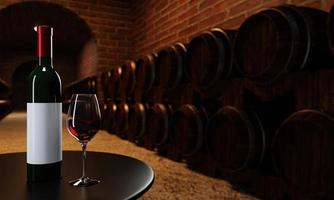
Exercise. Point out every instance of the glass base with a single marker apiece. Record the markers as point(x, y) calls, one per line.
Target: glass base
point(84, 182)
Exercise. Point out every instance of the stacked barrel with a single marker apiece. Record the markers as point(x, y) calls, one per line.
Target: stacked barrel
point(253, 106)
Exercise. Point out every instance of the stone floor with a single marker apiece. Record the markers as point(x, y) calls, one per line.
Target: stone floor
point(173, 180)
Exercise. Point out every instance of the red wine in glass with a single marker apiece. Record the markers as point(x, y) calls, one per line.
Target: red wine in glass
point(83, 122)
point(83, 130)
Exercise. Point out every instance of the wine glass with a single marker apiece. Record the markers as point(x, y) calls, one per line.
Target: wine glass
point(83, 122)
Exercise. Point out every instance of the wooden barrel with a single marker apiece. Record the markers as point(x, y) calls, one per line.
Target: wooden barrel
point(303, 151)
point(137, 122)
point(158, 118)
point(145, 73)
point(187, 130)
point(108, 116)
point(280, 40)
point(235, 139)
point(170, 66)
point(313, 38)
point(127, 80)
point(209, 58)
point(121, 120)
point(92, 84)
point(112, 80)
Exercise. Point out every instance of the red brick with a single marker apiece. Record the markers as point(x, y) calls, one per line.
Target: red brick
point(161, 20)
point(102, 49)
point(233, 23)
point(123, 31)
point(188, 13)
point(109, 9)
point(160, 35)
point(112, 63)
point(116, 36)
point(117, 49)
point(178, 9)
point(169, 8)
point(101, 35)
point(104, 42)
point(125, 43)
point(271, 3)
point(161, 4)
point(169, 23)
point(207, 3)
point(94, 20)
point(243, 7)
point(189, 30)
point(202, 15)
point(213, 20)
point(178, 26)
point(110, 55)
point(124, 56)
point(102, 61)
point(106, 29)
point(119, 4)
point(224, 5)
point(169, 39)
point(116, 23)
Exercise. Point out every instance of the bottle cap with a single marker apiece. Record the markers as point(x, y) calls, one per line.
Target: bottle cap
point(44, 40)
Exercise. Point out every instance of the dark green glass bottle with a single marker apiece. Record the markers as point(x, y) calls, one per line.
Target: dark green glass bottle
point(44, 106)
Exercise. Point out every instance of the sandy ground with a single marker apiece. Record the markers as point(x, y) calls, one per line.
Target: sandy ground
point(173, 180)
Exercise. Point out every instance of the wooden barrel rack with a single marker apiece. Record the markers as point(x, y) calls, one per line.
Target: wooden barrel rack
point(253, 106)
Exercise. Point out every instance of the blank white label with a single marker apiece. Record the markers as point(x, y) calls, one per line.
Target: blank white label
point(44, 138)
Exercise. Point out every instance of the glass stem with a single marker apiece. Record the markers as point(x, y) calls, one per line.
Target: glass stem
point(83, 145)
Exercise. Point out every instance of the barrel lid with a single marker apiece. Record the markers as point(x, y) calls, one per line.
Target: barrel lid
point(187, 120)
point(169, 67)
point(128, 78)
point(209, 58)
point(303, 151)
point(268, 34)
point(304, 32)
point(158, 118)
point(231, 138)
point(137, 120)
point(121, 118)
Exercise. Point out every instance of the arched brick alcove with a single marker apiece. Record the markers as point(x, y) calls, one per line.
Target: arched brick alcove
point(74, 43)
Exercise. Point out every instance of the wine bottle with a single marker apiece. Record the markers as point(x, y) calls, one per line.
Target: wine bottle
point(44, 106)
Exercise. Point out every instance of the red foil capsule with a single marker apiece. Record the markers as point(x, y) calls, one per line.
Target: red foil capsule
point(44, 40)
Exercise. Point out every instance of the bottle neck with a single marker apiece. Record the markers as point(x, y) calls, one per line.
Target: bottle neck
point(45, 61)
point(45, 46)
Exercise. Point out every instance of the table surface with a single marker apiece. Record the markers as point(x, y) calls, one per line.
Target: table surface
point(121, 177)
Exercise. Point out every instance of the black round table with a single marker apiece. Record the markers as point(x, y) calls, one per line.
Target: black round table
point(121, 177)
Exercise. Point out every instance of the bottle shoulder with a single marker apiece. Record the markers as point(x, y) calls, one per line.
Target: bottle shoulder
point(44, 85)
point(46, 74)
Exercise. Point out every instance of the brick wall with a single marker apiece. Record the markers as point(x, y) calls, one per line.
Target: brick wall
point(111, 23)
point(159, 23)
point(126, 29)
